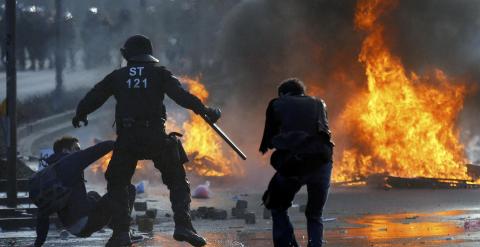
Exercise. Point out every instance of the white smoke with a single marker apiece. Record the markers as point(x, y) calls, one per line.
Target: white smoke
point(473, 150)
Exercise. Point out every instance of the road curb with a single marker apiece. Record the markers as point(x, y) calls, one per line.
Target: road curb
point(30, 133)
point(33, 127)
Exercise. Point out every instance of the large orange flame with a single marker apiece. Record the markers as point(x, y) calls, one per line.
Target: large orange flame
point(404, 124)
point(101, 165)
point(205, 147)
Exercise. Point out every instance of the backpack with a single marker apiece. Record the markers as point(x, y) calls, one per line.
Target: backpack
point(47, 191)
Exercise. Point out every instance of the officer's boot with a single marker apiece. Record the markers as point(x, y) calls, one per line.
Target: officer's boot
point(282, 229)
point(119, 239)
point(120, 222)
point(184, 230)
point(183, 233)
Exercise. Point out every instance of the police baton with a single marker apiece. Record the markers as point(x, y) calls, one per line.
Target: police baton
point(224, 137)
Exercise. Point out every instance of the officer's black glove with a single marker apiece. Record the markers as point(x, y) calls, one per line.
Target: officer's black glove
point(77, 119)
point(213, 114)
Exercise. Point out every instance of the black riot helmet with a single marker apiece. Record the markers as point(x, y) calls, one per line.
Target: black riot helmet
point(138, 48)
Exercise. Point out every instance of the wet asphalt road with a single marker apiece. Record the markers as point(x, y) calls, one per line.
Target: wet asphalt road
point(357, 217)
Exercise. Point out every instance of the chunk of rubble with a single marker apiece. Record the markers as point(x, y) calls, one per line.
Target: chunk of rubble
point(238, 213)
point(145, 224)
point(140, 206)
point(267, 214)
point(242, 204)
point(210, 213)
point(240, 209)
point(138, 217)
point(250, 218)
point(151, 213)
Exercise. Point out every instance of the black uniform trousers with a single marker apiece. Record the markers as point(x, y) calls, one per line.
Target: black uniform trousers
point(139, 143)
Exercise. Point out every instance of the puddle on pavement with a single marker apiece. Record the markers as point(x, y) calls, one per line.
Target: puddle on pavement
point(426, 229)
point(408, 225)
point(429, 229)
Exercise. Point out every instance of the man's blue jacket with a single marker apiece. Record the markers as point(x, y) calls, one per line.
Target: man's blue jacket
point(70, 169)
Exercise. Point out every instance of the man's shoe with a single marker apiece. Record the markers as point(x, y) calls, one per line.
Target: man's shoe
point(119, 240)
point(135, 238)
point(187, 235)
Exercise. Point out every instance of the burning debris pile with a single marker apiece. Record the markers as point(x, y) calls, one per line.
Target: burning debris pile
point(403, 125)
point(205, 150)
point(388, 70)
point(207, 155)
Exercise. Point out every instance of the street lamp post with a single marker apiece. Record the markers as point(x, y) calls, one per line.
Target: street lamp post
point(10, 37)
point(59, 52)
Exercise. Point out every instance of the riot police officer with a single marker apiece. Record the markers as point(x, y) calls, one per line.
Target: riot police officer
point(297, 128)
point(139, 89)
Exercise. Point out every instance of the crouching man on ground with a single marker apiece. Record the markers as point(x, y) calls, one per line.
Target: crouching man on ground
point(60, 188)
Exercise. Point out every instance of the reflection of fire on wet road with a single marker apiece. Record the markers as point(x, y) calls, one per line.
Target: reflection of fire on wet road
point(364, 218)
point(405, 225)
point(369, 230)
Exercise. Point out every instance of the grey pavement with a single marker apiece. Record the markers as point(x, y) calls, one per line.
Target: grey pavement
point(30, 83)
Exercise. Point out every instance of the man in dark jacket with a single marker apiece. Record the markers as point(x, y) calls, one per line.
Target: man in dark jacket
point(85, 213)
point(297, 128)
point(139, 90)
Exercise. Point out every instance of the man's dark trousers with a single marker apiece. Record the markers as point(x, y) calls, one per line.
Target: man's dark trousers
point(282, 191)
point(101, 215)
point(138, 143)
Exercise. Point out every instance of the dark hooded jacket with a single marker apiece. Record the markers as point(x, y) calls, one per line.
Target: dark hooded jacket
point(293, 117)
point(70, 170)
